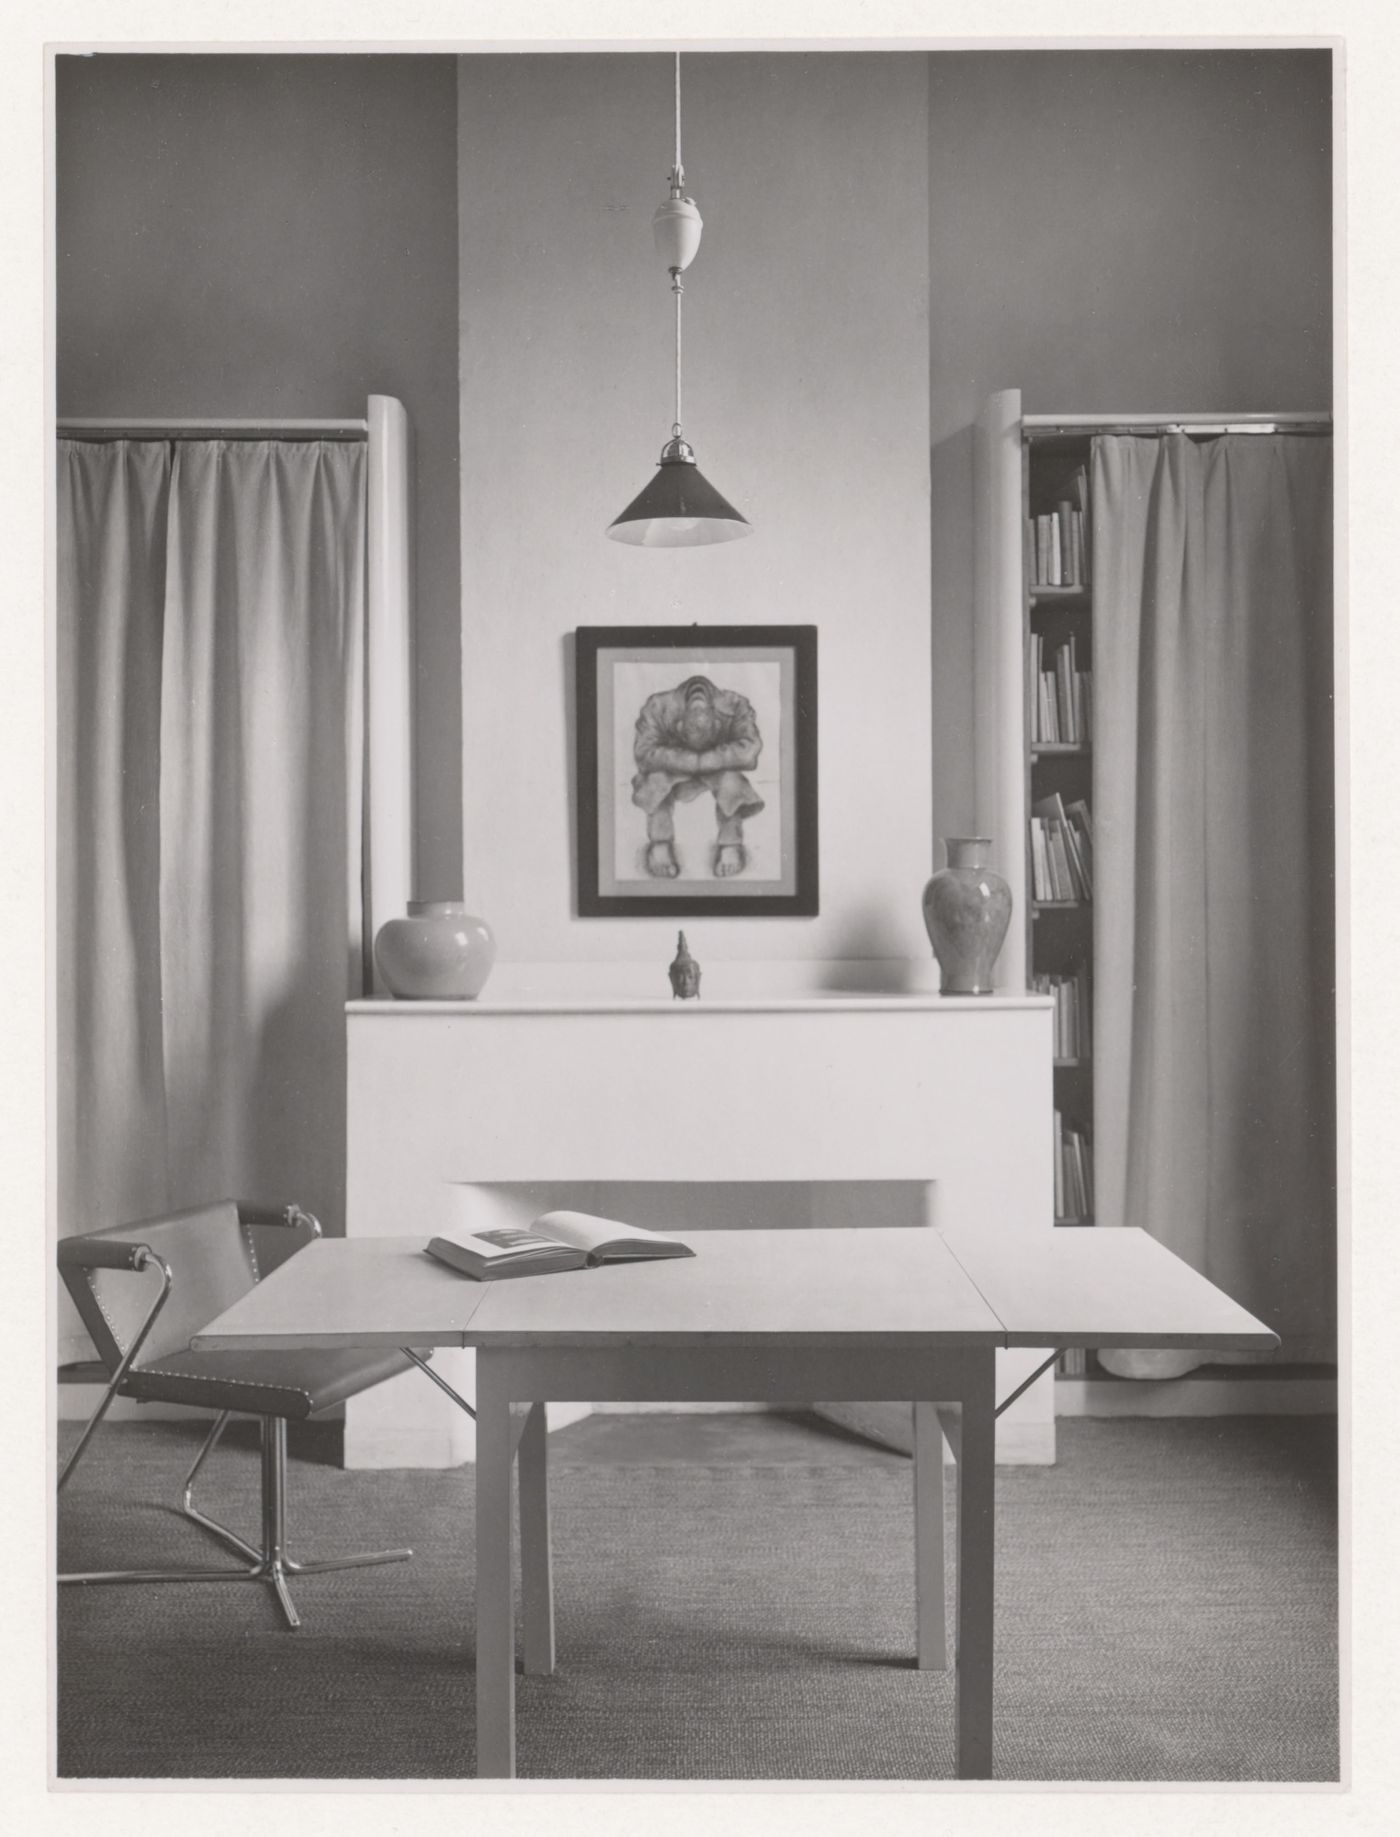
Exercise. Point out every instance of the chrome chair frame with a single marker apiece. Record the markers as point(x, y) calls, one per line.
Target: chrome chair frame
point(268, 1562)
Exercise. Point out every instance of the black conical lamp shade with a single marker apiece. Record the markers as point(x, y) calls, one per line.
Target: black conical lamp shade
point(680, 508)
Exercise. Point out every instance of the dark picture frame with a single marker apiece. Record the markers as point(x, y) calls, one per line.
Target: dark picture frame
point(662, 833)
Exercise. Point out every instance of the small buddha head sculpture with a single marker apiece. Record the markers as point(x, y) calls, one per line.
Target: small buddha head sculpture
point(684, 972)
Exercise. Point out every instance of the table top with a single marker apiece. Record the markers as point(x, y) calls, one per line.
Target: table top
point(1086, 1286)
point(887, 1287)
point(360, 1291)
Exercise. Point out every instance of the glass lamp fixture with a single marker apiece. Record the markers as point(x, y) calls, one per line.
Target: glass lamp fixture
point(680, 508)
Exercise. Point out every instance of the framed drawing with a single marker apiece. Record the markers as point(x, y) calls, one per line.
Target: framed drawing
point(697, 770)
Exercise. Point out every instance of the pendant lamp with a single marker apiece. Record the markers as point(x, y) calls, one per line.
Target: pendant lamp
point(680, 508)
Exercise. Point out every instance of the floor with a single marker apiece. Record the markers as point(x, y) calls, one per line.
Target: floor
point(734, 1603)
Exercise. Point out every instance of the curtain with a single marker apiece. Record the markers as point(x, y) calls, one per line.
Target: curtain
point(209, 781)
point(1214, 936)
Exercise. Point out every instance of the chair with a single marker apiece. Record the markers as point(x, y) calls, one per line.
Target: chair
point(143, 1291)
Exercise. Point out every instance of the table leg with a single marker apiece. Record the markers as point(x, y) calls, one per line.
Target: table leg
point(931, 1633)
point(536, 1577)
point(972, 1697)
point(495, 1604)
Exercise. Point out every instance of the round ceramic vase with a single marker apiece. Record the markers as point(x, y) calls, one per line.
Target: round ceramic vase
point(440, 952)
point(967, 909)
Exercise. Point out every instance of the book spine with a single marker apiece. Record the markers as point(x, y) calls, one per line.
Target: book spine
point(1086, 541)
point(1050, 716)
point(1064, 880)
point(1059, 1167)
point(1064, 520)
point(1076, 864)
point(1079, 817)
point(1081, 1185)
point(1072, 679)
point(1064, 685)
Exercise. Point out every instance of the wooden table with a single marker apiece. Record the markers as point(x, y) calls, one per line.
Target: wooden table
point(774, 1316)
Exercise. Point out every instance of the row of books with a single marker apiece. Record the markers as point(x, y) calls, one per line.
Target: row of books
point(1074, 1174)
point(1058, 542)
point(1062, 709)
point(1062, 850)
point(1074, 1031)
point(1074, 1362)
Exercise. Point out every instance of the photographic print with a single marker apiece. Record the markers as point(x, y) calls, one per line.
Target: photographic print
point(697, 788)
point(395, 614)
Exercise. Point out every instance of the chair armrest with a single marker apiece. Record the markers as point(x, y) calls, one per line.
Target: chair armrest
point(102, 1253)
point(291, 1217)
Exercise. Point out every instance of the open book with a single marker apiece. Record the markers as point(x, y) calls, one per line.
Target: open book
point(556, 1240)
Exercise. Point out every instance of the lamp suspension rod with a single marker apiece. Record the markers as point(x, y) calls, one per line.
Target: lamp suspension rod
point(678, 291)
point(677, 183)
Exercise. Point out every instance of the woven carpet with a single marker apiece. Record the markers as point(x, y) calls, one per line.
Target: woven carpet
point(1166, 1610)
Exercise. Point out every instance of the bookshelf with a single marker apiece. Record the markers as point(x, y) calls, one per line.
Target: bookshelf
point(1021, 622)
point(1057, 646)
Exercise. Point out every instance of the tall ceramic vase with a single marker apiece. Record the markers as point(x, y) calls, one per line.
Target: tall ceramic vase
point(967, 909)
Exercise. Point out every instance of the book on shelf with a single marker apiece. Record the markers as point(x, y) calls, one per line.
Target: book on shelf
point(1073, 1021)
point(1059, 1166)
point(1053, 549)
point(1061, 704)
point(1074, 1174)
point(1079, 495)
point(1058, 540)
point(1061, 873)
point(555, 1241)
point(1082, 825)
point(1049, 712)
point(1066, 876)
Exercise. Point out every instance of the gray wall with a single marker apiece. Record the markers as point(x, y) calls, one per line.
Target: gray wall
point(1107, 231)
point(277, 235)
point(1112, 232)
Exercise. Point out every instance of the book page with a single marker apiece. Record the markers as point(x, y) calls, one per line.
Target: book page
point(505, 1243)
point(587, 1232)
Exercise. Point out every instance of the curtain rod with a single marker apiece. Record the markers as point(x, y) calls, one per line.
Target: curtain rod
point(137, 428)
point(1217, 423)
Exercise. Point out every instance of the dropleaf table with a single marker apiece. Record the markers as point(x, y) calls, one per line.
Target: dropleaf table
point(848, 1315)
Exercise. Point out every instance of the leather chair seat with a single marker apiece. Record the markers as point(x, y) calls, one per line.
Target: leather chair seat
point(290, 1384)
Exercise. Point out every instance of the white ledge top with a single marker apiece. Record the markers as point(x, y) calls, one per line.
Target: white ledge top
point(813, 1002)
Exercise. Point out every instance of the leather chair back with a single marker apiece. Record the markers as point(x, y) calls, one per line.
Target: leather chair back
point(212, 1257)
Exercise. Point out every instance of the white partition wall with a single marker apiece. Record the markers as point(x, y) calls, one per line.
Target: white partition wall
point(842, 1095)
point(998, 663)
point(389, 869)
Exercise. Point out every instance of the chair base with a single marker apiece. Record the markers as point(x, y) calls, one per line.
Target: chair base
point(270, 1564)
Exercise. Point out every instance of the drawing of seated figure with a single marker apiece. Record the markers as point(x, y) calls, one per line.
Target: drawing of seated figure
point(692, 739)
